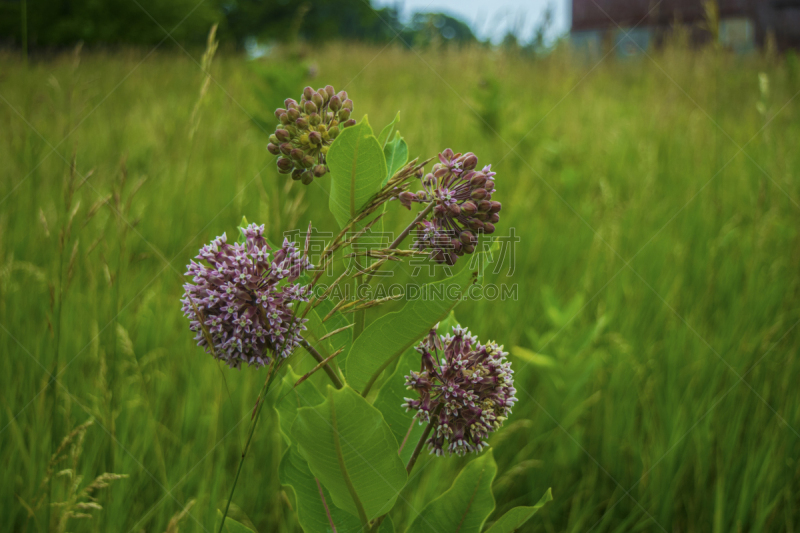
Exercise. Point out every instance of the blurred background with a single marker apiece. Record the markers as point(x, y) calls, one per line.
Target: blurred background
point(646, 157)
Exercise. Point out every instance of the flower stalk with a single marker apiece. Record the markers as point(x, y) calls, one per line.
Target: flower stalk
point(319, 359)
point(276, 364)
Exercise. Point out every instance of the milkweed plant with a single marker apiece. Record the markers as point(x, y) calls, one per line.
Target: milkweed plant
point(412, 380)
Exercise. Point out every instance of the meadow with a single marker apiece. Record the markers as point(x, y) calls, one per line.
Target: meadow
point(654, 336)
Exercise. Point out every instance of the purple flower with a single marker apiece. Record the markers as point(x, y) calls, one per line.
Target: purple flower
point(245, 299)
point(463, 206)
point(471, 384)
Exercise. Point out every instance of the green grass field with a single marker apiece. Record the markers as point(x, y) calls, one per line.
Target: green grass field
point(655, 335)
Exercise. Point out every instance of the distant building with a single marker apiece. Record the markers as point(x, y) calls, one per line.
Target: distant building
point(743, 24)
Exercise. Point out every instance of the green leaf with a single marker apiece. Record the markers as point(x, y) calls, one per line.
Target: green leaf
point(390, 399)
point(231, 525)
point(466, 504)
point(386, 132)
point(358, 168)
point(311, 514)
point(317, 329)
point(352, 451)
point(396, 154)
point(289, 399)
point(392, 334)
point(387, 526)
point(516, 517)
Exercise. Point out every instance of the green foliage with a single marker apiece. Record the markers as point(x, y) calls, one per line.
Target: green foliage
point(147, 22)
point(385, 339)
point(287, 399)
point(358, 168)
point(311, 512)
point(518, 516)
point(387, 526)
point(396, 154)
point(386, 132)
point(352, 451)
point(317, 329)
point(466, 505)
point(603, 169)
point(389, 401)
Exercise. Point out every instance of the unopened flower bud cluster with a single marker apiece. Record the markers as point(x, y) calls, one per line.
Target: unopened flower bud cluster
point(306, 131)
point(463, 206)
point(471, 385)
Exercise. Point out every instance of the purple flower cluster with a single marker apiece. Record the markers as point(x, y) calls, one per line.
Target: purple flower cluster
point(245, 298)
point(307, 130)
point(463, 206)
point(471, 385)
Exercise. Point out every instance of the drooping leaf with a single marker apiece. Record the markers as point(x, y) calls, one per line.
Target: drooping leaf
point(231, 525)
point(516, 517)
point(466, 504)
point(352, 451)
point(358, 168)
point(390, 399)
point(288, 399)
point(396, 154)
point(390, 335)
point(309, 494)
point(386, 132)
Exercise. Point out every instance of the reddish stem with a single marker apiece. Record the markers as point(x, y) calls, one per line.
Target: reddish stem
point(325, 505)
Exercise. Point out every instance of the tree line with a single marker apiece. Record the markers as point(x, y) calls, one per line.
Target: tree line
point(56, 23)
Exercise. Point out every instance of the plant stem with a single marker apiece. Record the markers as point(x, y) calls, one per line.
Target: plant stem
point(259, 405)
point(328, 370)
point(360, 319)
point(406, 231)
point(422, 439)
point(403, 234)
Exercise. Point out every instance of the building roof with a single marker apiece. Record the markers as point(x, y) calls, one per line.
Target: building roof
point(598, 14)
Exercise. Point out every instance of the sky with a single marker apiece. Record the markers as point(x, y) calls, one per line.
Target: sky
point(492, 18)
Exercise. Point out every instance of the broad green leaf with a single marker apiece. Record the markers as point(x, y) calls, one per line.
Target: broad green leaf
point(352, 451)
point(386, 132)
point(466, 504)
point(316, 329)
point(358, 168)
point(396, 154)
point(311, 514)
point(289, 399)
point(516, 517)
point(390, 399)
point(390, 335)
point(231, 525)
